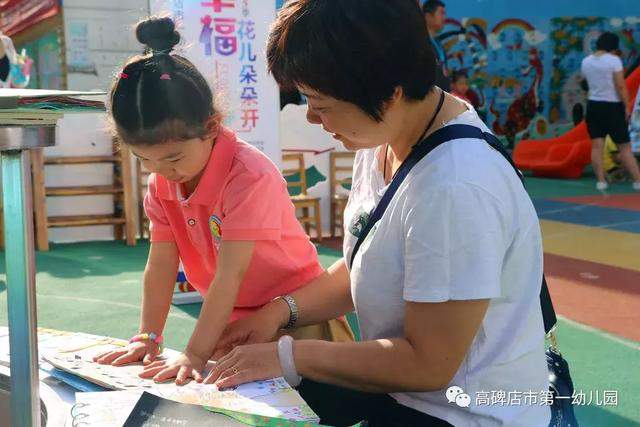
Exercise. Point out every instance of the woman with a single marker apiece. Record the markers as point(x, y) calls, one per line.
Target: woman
point(446, 287)
point(608, 108)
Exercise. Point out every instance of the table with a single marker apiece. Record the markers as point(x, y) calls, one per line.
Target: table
point(15, 141)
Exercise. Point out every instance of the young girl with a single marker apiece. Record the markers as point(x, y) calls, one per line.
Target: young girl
point(214, 202)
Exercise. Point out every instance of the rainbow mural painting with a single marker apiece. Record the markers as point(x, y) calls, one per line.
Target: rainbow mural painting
point(525, 75)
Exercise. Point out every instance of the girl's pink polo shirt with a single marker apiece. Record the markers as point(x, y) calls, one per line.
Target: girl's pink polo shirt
point(241, 196)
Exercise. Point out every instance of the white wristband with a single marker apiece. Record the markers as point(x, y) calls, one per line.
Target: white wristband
point(287, 364)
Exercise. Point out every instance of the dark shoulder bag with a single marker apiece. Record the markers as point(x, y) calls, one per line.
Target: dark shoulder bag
point(560, 383)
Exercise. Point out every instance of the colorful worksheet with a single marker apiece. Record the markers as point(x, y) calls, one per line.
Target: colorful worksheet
point(270, 398)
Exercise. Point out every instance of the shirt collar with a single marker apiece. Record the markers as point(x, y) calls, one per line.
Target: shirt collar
point(212, 181)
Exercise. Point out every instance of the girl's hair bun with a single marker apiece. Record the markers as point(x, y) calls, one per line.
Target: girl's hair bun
point(159, 34)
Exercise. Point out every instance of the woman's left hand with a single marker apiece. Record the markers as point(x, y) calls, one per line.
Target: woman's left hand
point(246, 363)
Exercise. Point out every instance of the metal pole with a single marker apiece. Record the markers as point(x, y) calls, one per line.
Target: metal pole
point(21, 292)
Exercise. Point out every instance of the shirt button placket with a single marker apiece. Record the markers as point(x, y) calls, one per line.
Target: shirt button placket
point(192, 223)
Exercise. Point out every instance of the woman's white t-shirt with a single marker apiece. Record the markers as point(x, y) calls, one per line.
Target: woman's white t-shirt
point(598, 70)
point(460, 227)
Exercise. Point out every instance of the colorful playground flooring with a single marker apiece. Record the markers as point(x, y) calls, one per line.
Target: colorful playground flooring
point(592, 263)
point(592, 258)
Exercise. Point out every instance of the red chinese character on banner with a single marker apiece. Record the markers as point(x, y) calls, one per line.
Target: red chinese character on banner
point(217, 5)
point(249, 119)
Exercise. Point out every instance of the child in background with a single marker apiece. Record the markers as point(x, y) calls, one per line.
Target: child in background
point(460, 85)
point(214, 202)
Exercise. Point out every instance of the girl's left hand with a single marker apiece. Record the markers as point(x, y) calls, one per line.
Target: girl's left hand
point(182, 368)
point(246, 363)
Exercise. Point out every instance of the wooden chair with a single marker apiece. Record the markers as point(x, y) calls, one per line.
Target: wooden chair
point(123, 218)
point(340, 176)
point(142, 176)
point(297, 178)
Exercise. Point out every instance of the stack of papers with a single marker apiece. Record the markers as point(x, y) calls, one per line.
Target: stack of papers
point(29, 118)
point(43, 107)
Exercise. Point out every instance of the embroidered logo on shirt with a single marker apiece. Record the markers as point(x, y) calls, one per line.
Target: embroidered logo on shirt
point(215, 225)
point(358, 223)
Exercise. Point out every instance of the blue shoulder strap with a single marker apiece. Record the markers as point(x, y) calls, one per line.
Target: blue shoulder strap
point(442, 135)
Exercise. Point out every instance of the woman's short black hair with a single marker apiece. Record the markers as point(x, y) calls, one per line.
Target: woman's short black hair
point(358, 51)
point(160, 96)
point(608, 42)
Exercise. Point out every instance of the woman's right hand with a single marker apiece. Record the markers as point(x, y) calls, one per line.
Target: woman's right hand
point(146, 350)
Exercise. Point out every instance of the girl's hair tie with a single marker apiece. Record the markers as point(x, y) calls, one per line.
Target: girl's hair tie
point(165, 76)
point(124, 75)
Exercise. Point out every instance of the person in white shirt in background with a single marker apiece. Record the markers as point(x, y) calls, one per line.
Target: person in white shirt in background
point(608, 108)
point(446, 286)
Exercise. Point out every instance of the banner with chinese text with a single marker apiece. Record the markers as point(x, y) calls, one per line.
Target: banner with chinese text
point(226, 40)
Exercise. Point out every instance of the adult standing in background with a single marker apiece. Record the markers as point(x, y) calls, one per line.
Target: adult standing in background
point(435, 15)
point(608, 108)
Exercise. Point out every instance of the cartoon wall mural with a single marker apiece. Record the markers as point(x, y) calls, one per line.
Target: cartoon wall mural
point(506, 72)
point(526, 75)
point(571, 40)
point(465, 42)
point(515, 93)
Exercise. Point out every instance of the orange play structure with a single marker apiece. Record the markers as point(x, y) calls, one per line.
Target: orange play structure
point(567, 155)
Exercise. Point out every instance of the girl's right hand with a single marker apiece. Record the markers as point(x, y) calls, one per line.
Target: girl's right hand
point(147, 351)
